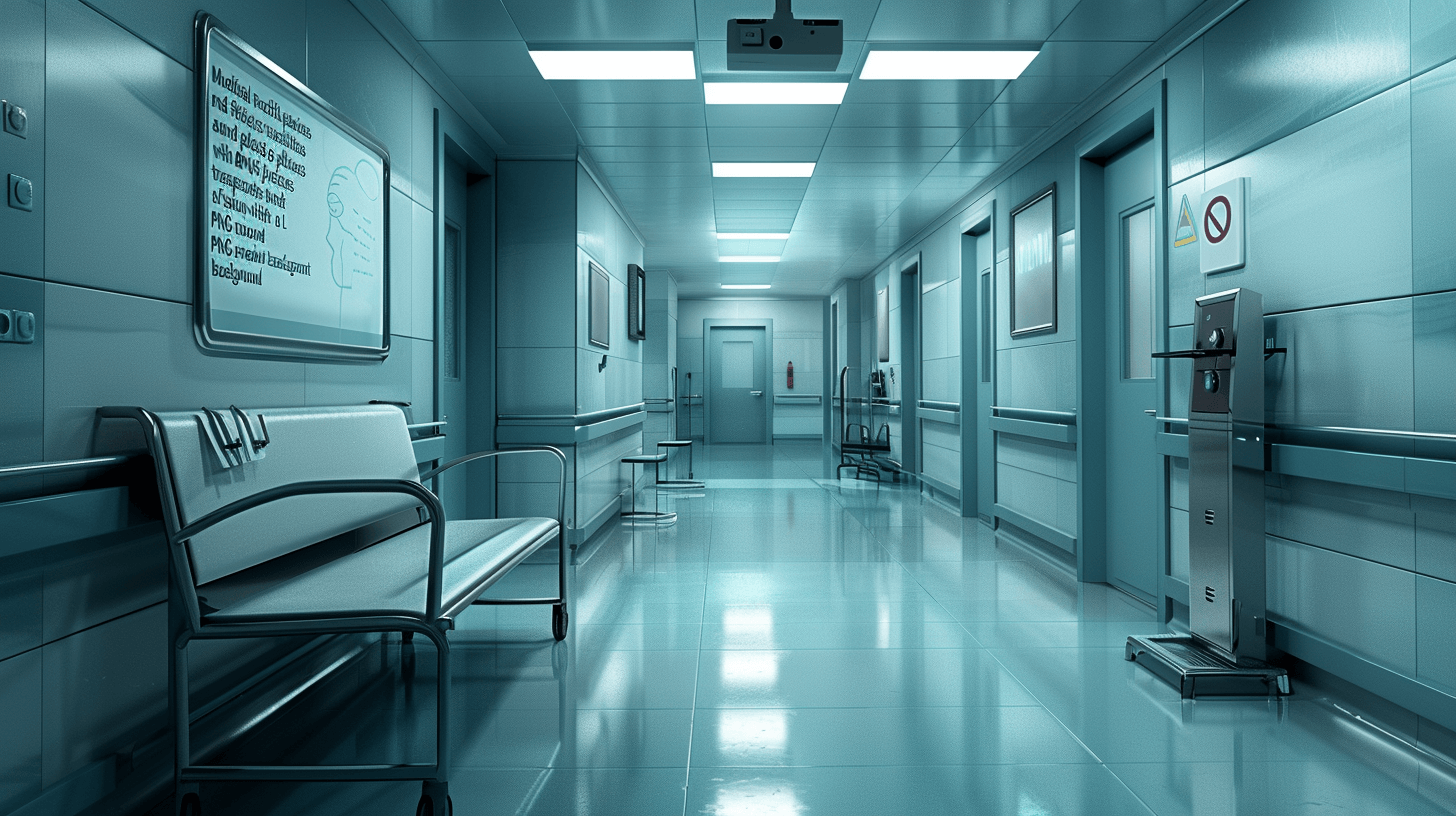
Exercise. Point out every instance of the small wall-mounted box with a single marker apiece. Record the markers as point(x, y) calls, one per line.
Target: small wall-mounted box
point(17, 326)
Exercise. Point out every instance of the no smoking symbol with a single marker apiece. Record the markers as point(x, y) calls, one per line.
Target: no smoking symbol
point(1216, 224)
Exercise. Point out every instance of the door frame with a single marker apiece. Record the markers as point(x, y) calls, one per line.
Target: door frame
point(909, 269)
point(1143, 116)
point(764, 323)
point(979, 223)
point(475, 311)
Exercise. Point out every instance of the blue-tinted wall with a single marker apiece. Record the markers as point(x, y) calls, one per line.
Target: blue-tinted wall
point(553, 385)
point(106, 262)
point(1342, 113)
point(798, 338)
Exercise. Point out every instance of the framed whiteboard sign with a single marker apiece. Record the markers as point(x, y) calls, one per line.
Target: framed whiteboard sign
point(292, 214)
point(1034, 264)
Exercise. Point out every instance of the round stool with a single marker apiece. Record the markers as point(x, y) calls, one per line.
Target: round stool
point(653, 515)
point(688, 483)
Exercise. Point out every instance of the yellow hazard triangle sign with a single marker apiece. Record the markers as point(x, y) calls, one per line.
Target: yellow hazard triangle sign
point(1186, 233)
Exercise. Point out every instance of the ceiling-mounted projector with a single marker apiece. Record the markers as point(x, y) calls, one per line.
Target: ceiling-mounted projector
point(785, 44)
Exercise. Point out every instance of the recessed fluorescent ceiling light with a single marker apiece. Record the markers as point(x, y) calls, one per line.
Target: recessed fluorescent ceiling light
point(763, 169)
point(946, 64)
point(753, 236)
point(748, 259)
point(615, 64)
point(775, 93)
point(745, 285)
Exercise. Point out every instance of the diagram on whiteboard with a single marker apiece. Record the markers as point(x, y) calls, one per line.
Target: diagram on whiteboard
point(290, 190)
point(352, 234)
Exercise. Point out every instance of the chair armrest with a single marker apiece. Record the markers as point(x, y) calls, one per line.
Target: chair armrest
point(560, 482)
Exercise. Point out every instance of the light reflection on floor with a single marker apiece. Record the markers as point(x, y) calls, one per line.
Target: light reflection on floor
point(797, 645)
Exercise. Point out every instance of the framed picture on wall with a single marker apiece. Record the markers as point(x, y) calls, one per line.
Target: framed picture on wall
point(636, 303)
point(1034, 264)
point(599, 307)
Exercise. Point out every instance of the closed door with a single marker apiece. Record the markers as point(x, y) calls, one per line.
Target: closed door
point(1133, 465)
point(908, 392)
point(738, 398)
point(450, 362)
point(978, 346)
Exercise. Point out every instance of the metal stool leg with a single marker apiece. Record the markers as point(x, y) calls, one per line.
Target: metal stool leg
point(656, 514)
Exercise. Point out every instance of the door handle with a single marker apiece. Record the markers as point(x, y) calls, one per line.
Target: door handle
point(756, 393)
point(1150, 411)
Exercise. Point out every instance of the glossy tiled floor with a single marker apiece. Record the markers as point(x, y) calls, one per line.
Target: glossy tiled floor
point(800, 646)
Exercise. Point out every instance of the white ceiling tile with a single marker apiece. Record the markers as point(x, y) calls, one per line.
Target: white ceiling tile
point(969, 20)
point(897, 155)
point(460, 58)
point(738, 116)
point(615, 170)
point(1083, 58)
point(643, 136)
point(917, 92)
point(642, 153)
point(894, 136)
point(547, 21)
point(1033, 89)
point(890, 159)
point(472, 20)
point(1144, 20)
point(636, 114)
point(767, 137)
point(613, 91)
point(765, 154)
point(1036, 115)
point(904, 170)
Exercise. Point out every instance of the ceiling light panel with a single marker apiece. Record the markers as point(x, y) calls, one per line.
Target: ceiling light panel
point(763, 169)
point(756, 259)
point(752, 236)
point(774, 93)
point(745, 285)
point(615, 64)
point(946, 64)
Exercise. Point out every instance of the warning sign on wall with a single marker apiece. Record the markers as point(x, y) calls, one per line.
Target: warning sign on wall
point(1186, 232)
point(1222, 222)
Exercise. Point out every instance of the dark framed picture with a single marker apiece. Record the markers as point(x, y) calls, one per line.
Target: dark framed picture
point(636, 303)
point(1034, 264)
point(599, 307)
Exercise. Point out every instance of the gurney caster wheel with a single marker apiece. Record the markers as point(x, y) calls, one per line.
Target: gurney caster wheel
point(559, 620)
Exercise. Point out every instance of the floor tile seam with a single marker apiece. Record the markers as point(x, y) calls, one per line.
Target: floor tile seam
point(946, 707)
point(949, 706)
point(697, 685)
point(991, 654)
point(837, 766)
point(958, 622)
point(865, 649)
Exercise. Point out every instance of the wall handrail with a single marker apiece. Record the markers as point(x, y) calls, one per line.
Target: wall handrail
point(573, 419)
point(939, 406)
point(1336, 429)
point(66, 466)
point(1035, 415)
point(1037, 429)
point(797, 399)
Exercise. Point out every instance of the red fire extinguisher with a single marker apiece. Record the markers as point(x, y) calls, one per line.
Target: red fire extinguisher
point(791, 373)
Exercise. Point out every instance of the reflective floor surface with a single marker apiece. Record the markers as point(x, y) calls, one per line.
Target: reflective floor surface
point(797, 645)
